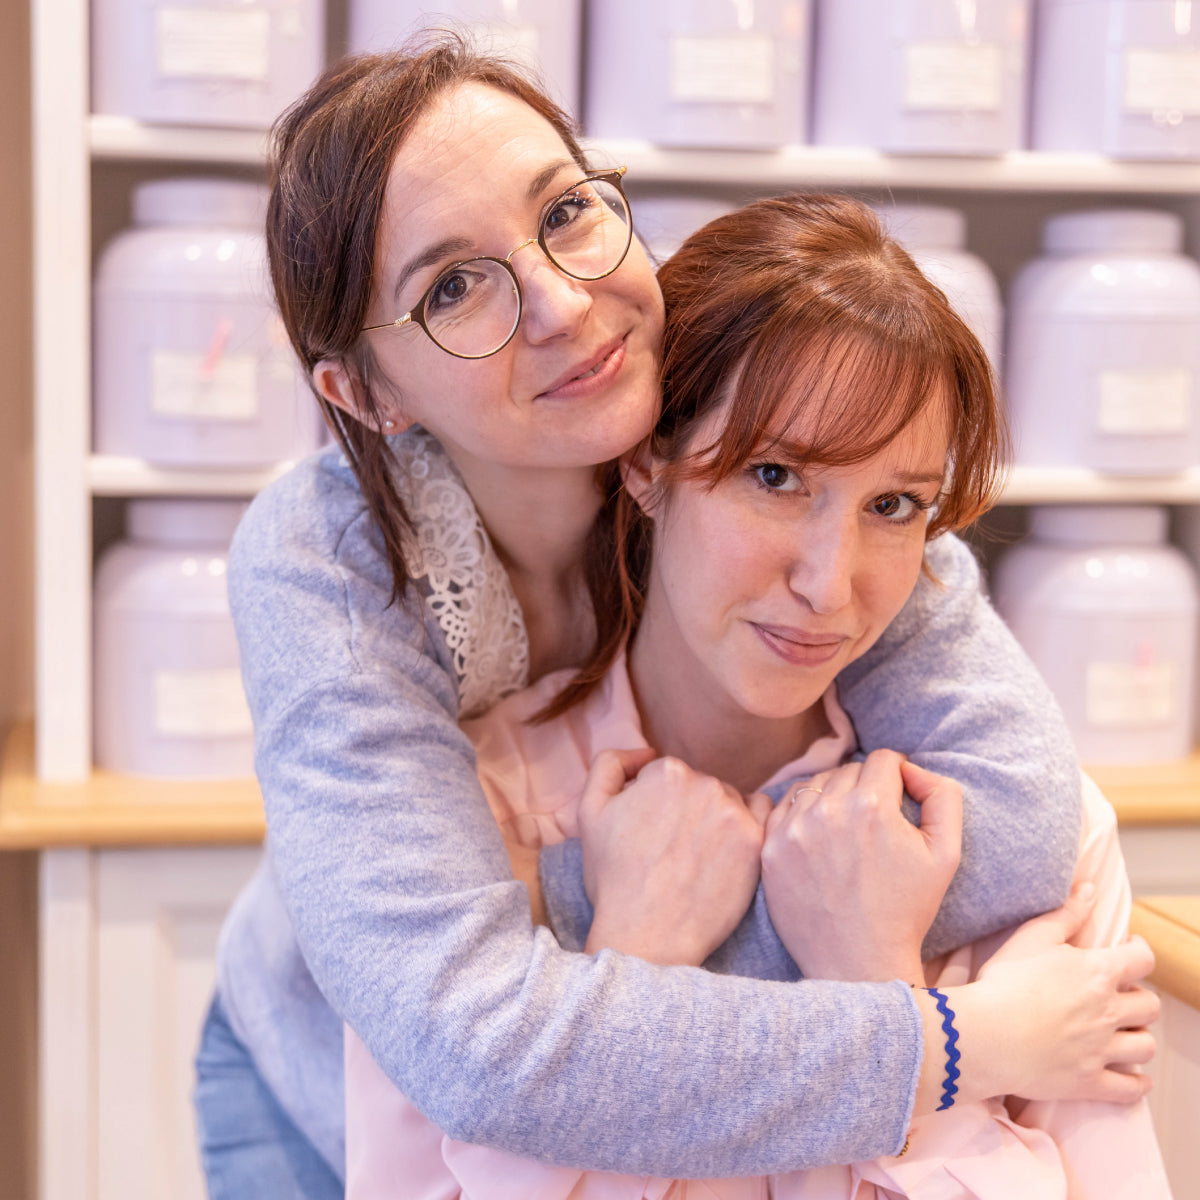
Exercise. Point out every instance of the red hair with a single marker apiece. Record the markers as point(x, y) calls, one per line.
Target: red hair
point(802, 305)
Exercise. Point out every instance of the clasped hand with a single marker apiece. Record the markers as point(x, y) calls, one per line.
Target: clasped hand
point(672, 859)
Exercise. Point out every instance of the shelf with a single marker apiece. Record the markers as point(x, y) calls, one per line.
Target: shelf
point(109, 809)
point(124, 140)
point(110, 475)
point(1161, 794)
point(1171, 924)
point(1077, 485)
point(820, 166)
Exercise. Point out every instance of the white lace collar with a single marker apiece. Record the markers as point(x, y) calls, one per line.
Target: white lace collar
point(468, 588)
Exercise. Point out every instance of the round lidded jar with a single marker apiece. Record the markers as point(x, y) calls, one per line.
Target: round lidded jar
point(542, 35)
point(1117, 77)
point(1108, 612)
point(701, 73)
point(936, 237)
point(921, 76)
point(168, 685)
point(1103, 362)
point(192, 364)
point(204, 62)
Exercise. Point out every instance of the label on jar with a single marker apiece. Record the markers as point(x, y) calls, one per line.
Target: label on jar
point(193, 386)
point(1118, 695)
point(952, 77)
point(723, 70)
point(213, 43)
point(1162, 82)
point(1154, 401)
point(206, 703)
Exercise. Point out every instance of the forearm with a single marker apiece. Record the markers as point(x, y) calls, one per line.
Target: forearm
point(948, 686)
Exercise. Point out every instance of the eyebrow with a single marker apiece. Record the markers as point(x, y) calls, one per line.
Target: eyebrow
point(434, 254)
point(918, 477)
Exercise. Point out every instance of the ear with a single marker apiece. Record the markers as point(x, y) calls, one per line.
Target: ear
point(638, 473)
point(337, 384)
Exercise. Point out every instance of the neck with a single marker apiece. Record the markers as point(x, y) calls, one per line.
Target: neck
point(686, 715)
point(539, 522)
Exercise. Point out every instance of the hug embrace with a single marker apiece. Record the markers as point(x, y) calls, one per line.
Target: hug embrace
point(713, 889)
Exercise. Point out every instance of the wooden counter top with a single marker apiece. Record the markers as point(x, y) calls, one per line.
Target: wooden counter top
point(1164, 794)
point(109, 809)
point(1171, 924)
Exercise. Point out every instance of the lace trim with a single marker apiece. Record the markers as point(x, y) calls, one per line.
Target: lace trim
point(469, 590)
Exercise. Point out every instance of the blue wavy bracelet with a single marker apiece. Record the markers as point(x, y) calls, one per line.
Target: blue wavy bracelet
point(950, 1087)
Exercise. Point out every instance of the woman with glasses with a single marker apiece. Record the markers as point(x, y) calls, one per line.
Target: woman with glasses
point(483, 333)
point(767, 540)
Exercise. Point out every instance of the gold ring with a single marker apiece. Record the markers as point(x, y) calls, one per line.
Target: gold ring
point(806, 788)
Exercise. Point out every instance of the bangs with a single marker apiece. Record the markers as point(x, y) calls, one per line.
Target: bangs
point(831, 398)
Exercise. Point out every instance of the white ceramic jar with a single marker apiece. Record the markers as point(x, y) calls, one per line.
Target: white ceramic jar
point(936, 237)
point(716, 73)
point(1103, 363)
point(1108, 613)
point(921, 76)
point(204, 62)
point(168, 688)
point(663, 221)
point(192, 364)
point(1117, 77)
point(543, 35)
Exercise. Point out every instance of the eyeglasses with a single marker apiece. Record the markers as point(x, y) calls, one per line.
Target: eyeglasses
point(472, 309)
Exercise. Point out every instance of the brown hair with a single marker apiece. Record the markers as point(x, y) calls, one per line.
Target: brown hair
point(331, 153)
point(802, 304)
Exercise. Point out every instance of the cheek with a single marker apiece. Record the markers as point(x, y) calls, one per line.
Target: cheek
point(890, 578)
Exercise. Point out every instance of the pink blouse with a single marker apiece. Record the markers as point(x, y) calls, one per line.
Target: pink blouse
point(533, 776)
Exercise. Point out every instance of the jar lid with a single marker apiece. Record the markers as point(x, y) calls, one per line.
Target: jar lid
point(1100, 524)
point(924, 226)
point(1122, 229)
point(212, 203)
point(184, 522)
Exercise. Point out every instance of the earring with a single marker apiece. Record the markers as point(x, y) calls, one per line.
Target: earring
point(389, 424)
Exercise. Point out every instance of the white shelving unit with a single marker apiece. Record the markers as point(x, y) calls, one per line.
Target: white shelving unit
point(68, 142)
point(82, 956)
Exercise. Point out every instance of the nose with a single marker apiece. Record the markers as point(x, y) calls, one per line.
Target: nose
point(823, 571)
point(555, 305)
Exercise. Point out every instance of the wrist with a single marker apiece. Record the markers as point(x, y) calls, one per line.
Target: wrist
point(981, 1063)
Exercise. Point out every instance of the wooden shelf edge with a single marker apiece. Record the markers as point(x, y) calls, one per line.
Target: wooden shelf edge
point(1171, 924)
point(114, 810)
point(1160, 794)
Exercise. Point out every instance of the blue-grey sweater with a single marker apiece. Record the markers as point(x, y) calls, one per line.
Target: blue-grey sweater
point(385, 895)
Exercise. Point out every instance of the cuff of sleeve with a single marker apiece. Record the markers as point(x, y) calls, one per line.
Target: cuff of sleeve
point(560, 867)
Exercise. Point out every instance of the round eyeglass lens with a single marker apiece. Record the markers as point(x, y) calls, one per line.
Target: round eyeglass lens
point(473, 308)
point(586, 231)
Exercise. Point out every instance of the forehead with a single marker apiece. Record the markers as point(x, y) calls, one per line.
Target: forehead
point(474, 146)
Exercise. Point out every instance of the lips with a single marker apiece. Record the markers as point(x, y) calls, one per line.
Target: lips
point(798, 647)
point(582, 376)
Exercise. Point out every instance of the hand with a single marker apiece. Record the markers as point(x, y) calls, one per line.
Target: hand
point(670, 860)
point(852, 886)
point(1068, 1023)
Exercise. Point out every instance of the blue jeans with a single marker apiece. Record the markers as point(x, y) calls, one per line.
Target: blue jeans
point(250, 1149)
